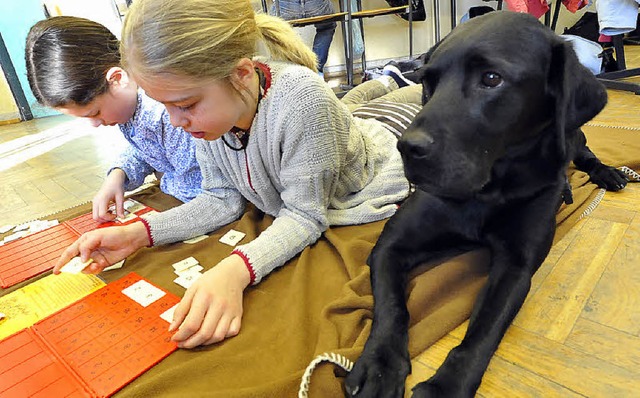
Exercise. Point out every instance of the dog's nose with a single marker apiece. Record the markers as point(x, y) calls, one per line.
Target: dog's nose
point(415, 144)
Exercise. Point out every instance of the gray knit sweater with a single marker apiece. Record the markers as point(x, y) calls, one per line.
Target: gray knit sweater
point(308, 163)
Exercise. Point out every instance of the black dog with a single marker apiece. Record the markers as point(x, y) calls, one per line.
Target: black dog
point(488, 156)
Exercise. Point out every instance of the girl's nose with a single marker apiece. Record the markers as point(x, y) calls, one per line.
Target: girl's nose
point(178, 120)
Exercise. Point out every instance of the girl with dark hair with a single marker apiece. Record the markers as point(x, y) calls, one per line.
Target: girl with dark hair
point(73, 66)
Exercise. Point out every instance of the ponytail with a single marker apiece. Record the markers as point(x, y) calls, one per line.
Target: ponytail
point(283, 42)
point(203, 39)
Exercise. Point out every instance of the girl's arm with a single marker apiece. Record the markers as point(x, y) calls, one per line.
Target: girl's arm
point(218, 204)
point(132, 162)
point(313, 130)
point(211, 309)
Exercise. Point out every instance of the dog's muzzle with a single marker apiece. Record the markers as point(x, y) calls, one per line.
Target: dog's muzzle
point(431, 168)
point(415, 144)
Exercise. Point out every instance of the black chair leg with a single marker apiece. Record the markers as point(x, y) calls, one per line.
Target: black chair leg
point(610, 79)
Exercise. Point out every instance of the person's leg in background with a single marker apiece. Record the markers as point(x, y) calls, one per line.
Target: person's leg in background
point(294, 9)
point(395, 108)
point(390, 99)
point(382, 89)
point(368, 91)
point(322, 41)
point(404, 95)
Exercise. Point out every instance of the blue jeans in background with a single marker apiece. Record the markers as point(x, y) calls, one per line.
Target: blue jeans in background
point(295, 9)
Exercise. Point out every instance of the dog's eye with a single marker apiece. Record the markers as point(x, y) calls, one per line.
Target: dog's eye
point(491, 79)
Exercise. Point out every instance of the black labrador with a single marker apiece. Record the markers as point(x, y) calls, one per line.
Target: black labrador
point(504, 98)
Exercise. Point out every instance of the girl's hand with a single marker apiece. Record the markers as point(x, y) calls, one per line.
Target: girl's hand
point(105, 246)
point(211, 309)
point(112, 190)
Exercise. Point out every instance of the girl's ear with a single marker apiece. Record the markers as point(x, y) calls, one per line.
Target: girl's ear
point(117, 76)
point(243, 73)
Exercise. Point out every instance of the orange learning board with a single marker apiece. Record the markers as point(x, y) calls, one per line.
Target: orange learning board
point(34, 254)
point(93, 347)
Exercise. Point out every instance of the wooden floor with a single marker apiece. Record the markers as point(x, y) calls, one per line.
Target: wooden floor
point(578, 334)
point(50, 164)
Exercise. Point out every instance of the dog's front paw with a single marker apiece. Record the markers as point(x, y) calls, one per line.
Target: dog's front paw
point(457, 377)
point(439, 387)
point(379, 373)
point(608, 177)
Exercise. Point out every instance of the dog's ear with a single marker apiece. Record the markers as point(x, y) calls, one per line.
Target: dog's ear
point(425, 60)
point(425, 92)
point(579, 96)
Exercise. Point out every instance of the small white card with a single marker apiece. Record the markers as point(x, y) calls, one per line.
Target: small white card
point(195, 268)
point(187, 279)
point(126, 218)
point(117, 265)
point(143, 293)
point(75, 266)
point(41, 225)
point(232, 237)
point(5, 228)
point(196, 239)
point(21, 227)
point(185, 264)
point(132, 206)
point(168, 314)
point(15, 236)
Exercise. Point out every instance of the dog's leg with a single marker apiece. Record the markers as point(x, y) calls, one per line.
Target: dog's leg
point(520, 240)
point(405, 242)
point(604, 176)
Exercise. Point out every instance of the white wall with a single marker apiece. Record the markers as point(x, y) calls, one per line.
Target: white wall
point(101, 11)
point(387, 37)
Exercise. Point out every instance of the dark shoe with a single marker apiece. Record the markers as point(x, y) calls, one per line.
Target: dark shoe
point(609, 63)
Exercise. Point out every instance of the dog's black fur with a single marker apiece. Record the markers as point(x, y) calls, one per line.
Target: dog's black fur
point(504, 99)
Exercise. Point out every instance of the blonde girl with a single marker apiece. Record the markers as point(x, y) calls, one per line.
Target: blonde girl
point(269, 131)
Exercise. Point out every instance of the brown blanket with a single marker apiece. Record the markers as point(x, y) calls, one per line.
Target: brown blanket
point(321, 300)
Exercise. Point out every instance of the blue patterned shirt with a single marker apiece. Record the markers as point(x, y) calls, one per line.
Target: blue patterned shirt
point(158, 146)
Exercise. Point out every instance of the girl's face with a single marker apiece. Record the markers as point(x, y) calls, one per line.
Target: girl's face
point(115, 106)
point(207, 111)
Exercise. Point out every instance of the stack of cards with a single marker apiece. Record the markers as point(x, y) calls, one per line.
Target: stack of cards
point(131, 209)
point(26, 229)
point(188, 271)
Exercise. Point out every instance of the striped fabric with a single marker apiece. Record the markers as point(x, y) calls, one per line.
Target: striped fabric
point(396, 116)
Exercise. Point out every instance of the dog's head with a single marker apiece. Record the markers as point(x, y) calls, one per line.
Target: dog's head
point(494, 83)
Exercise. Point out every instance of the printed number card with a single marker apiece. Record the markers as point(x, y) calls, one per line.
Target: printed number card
point(91, 348)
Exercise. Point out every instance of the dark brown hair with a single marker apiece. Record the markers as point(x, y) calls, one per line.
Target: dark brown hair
point(67, 60)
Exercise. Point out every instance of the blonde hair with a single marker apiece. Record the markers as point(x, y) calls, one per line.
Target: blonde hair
point(203, 39)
